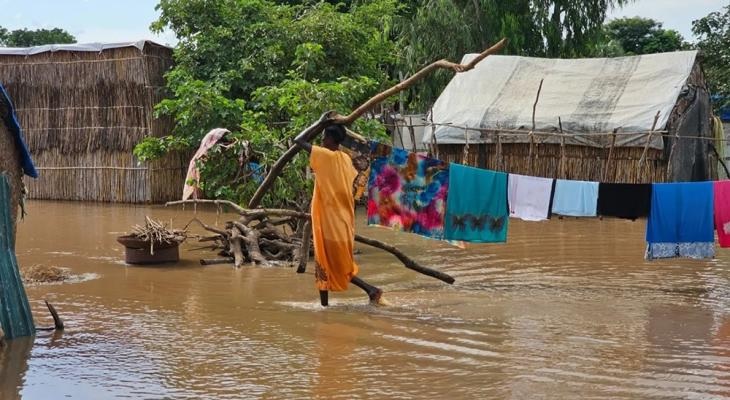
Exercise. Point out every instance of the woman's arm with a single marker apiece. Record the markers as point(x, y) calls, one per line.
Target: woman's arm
point(302, 142)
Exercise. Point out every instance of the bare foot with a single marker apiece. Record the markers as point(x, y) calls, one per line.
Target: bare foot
point(378, 300)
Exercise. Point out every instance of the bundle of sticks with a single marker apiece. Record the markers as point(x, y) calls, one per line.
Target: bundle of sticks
point(158, 233)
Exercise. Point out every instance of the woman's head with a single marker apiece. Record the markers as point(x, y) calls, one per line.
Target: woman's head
point(334, 135)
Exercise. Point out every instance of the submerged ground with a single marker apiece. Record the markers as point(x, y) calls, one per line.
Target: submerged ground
point(566, 309)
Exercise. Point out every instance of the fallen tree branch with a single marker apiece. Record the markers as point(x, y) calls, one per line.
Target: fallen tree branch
point(311, 131)
point(57, 322)
point(231, 204)
point(302, 257)
point(332, 117)
point(214, 261)
point(407, 261)
point(440, 64)
point(252, 213)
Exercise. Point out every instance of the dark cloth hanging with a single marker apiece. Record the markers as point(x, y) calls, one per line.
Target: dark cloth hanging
point(624, 200)
point(8, 116)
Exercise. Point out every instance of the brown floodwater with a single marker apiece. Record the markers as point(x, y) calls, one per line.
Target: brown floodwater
point(566, 309)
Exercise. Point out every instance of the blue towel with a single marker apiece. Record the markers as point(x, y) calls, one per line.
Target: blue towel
point(575, 198)
point(681, 213)
point(476, 207)
point(11, 121)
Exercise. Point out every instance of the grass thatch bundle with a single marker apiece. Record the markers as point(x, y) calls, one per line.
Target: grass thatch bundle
point(44, 274)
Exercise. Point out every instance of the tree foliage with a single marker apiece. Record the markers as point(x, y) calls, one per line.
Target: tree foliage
point(26, 37)
point(436, 29)
point(638, 35)
point(266, 69)
point(713, 33)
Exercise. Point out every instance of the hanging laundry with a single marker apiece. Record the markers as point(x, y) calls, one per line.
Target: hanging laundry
point(680, 223)
point(192, 184)
point(722, 211)
point(407, 191)
point(476, 208)
point(529, 197)
point(624, 200)
point(575, 198)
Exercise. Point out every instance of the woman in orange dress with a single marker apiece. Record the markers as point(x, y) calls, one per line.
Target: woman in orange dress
point(333, 216)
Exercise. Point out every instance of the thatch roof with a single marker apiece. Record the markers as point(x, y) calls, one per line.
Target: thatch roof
point(83, 109)
point(591, 96)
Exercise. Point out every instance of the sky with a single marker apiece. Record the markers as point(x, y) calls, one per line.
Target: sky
point(129, 20)
point(674, 14)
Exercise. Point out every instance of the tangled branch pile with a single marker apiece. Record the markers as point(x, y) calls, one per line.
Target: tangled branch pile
point(270, 237)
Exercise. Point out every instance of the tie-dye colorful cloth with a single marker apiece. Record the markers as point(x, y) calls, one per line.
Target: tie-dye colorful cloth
point(407, 191)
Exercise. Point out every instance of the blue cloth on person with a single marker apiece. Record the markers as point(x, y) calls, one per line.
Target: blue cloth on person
point(11, 121)
point(681, 221)
point(256, 172)
point(476, 208)
point(575, 198)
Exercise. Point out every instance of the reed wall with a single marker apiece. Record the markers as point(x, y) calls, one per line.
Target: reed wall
point(82, 113)
point(581, 162)
point(10, 167)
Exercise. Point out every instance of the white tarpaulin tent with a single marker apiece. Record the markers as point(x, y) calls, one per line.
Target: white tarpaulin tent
point(595, 95)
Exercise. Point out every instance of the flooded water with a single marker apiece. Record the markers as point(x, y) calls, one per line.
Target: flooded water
point(566, 309)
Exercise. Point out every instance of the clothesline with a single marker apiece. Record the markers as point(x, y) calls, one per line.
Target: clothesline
point(414, 193)
point(656, 133)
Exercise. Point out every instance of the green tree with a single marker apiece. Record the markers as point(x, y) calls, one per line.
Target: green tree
point(433, 29)
point(713, 34)
point(26, 37)
point(265, 71)
point(638, 35)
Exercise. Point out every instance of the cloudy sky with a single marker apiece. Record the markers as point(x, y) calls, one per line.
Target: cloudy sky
point(129, 20)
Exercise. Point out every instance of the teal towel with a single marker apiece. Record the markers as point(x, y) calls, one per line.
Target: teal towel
point(476, 207)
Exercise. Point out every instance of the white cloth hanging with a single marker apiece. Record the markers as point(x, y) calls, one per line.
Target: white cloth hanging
point(529, 197)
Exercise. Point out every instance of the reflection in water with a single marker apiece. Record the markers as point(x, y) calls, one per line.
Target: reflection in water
point(566, 309)
point(13, 365)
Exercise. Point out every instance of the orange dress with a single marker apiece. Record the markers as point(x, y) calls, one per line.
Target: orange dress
point(333, 218)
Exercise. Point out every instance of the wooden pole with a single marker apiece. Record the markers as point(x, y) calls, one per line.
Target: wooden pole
point(465, 156)
point(531, 136)
point(303, 256)
point(607, 165)
point(642, 160)
point(562, 150)
point(500, 162)
point(671, 155)
point(413, 134)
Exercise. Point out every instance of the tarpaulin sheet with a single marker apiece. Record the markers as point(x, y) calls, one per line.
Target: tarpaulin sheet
point(15, 315)
point(595, 95)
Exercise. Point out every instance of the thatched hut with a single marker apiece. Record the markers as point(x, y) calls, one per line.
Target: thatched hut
point(629, 119)
point(83, 108)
